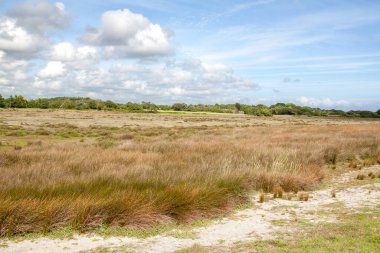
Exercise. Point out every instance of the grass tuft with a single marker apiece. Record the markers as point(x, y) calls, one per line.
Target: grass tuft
point(360, 176)
point(277, 191)
point(303, 196)
point(261, 197)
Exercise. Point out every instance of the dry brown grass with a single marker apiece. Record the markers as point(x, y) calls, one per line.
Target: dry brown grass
point(360, 176)
point(139, 177)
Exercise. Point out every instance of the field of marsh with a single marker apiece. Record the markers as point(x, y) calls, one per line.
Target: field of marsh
point(60, 168)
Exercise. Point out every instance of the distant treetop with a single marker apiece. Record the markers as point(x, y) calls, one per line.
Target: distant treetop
point(79, 103)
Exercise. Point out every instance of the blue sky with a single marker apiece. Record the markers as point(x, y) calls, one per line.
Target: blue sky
point(317, 53)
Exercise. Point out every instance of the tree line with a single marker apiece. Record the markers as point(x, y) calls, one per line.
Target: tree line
point(79, 103)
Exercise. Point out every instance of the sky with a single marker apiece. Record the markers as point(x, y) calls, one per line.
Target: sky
point(323, 53)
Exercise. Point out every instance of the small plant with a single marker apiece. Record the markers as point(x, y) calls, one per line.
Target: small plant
point(303, 196)
point(331, 155)
point(360, 176)
point(370, 174)
point(333, 193)
point(353, 164)
point(278, 192)
point(37, 143)
point(262, 197)
point(369, 162)
point(105, 143)
point(17, 147)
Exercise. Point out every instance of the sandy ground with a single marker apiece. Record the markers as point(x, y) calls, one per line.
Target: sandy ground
point(33, 118)
point(260, 222)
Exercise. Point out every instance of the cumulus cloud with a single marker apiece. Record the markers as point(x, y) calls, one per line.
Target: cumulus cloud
point(24, 30)
point(123, 33)
point(159, 83)
point(69, 69)
point(15, 39)
point(40, 16)
point(12, 73)
point(52, 69)
point(324, 102)
point(74, 56)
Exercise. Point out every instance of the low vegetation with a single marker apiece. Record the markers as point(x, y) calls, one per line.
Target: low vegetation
point(353, 233)
point(147, 107)
point(63, 175)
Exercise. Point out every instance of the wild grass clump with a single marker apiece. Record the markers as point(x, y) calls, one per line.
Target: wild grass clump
point(105, 143)
point(360, 176)
point(262, 197)
point(331, 155)
point(371, 175)
point(277, 191)
point(162, 178)
point(303, 196)
point(353, 164)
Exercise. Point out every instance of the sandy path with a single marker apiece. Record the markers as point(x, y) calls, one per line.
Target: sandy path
point(256, 223)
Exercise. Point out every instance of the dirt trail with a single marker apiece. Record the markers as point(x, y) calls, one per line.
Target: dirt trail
point(256, 223)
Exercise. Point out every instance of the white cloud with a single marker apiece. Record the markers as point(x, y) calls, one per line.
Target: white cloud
point(125, 68)
point(25, 28)
point(60, 6)
point(159, 83)
point(40, 16)
point(15, 39)
point(324, 102)
point(79, 57)
point(52, 69)
point(127, 34)
point(12, 73)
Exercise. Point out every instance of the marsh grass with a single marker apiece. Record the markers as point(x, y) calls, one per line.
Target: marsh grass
point(164, 175)
point(303, 196)
point(261, 197)
point(278, 191)
point(360, 176)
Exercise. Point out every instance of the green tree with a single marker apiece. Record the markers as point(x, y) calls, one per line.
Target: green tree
point(9, 102)
point(378, 112)
point(2, 102)
point(20, 102)
point(92, 105)
point(179, 107)
point(110, 105)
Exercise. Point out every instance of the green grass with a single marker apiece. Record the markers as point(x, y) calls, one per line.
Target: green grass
point(356, 233)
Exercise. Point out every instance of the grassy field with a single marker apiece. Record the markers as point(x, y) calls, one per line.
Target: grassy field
point(87, 170)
